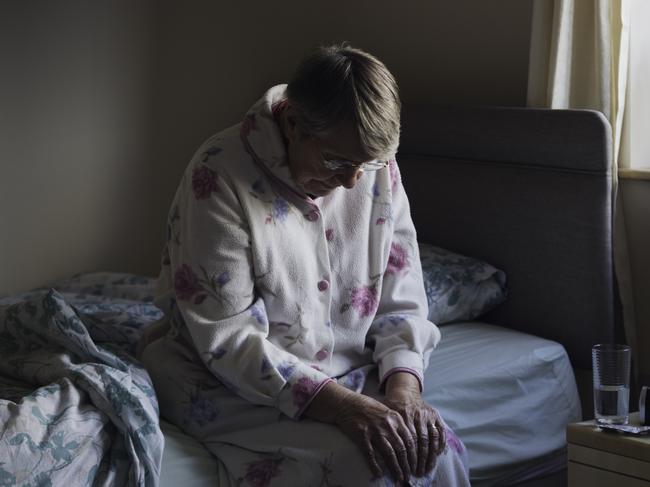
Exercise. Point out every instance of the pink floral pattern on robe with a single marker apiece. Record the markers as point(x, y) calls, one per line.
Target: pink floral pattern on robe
point(186, 283)
point(302, 391)
point(204, 182)
point(260, 473)
point(397, 259)
point(365, 300)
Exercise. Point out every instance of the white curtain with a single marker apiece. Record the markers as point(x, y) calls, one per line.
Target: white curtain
point(579, 59)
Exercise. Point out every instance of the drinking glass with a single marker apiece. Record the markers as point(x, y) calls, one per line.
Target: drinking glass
point(611, 364)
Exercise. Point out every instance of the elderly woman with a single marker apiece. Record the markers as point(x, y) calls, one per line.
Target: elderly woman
point(297, 332)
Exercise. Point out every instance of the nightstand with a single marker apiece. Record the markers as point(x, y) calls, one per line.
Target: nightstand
point(605, 459)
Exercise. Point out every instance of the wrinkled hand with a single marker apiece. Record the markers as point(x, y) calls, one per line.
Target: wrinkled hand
point(381, 433)
point(422, 420)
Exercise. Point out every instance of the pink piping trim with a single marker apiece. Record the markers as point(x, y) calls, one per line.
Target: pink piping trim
point(316, 391)
point(278, 107)
point(400, 369)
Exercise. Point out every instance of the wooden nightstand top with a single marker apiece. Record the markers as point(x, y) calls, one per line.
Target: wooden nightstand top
point(589, 435)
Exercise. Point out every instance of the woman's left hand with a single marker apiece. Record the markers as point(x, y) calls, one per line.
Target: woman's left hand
point(403, 395)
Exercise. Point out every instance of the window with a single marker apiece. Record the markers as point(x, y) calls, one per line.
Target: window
point(636, 126)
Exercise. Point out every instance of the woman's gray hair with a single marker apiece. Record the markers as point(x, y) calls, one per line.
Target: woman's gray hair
point(340, 85)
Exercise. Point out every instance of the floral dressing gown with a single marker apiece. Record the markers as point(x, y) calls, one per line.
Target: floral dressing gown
point(271, 294)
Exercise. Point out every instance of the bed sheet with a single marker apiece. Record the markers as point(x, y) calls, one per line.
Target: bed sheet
point(76, 408)
point(185, 461)
point(508, 395)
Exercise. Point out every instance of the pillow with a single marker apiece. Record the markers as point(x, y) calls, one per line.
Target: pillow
point(459, 288)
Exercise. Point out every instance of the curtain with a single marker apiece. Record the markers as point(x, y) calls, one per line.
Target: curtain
point(579, 59)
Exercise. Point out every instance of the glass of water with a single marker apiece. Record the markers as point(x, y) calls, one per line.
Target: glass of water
point(611, 365)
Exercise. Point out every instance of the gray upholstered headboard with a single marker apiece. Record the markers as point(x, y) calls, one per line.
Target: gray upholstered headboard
point(528, 190)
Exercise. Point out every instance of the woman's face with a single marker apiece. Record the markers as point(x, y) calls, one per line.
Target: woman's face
point(307, 154)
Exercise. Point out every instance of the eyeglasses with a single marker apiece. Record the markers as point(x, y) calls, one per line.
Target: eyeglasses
point(340, 164)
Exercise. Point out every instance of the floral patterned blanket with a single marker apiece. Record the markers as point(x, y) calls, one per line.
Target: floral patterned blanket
point(75, 407)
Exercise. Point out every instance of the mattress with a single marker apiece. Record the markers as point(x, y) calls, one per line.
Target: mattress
point(508, 395)
point(185, 462)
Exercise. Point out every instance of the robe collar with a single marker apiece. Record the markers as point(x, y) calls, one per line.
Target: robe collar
point(262, 137)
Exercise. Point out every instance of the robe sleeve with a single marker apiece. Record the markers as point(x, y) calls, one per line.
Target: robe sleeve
point(403, 336)
point(213, 281)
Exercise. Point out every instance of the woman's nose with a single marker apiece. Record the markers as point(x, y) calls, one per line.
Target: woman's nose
point(349, 178)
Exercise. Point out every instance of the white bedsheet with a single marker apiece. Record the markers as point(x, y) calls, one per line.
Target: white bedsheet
point(508, 395)
point(185, 462)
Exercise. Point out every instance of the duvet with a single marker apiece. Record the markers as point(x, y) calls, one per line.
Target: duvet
point(76, 408)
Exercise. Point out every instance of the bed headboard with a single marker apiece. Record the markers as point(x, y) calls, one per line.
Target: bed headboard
point(528, 190)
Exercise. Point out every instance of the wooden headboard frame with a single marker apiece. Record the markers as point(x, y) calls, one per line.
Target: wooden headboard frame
point(528, 190)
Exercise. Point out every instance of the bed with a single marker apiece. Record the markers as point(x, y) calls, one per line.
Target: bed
point(526, 190)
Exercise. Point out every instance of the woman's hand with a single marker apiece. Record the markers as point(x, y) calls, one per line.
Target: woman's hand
point(403, 395)
point(382, 435)
point(380, 432)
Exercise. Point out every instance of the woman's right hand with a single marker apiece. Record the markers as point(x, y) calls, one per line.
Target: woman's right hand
point(382, 435)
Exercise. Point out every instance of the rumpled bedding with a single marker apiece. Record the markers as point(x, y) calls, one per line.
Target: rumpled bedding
point(76, 407)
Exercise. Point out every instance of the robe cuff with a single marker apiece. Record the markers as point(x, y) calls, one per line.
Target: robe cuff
point(401, 361)
point(414, 373)
point(315, 393)
point(299, 392)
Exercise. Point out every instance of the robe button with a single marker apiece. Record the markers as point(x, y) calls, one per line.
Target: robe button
point(312, 216)
point(323, 285)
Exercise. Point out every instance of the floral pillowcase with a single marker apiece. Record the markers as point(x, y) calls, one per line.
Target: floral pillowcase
point(459, 288)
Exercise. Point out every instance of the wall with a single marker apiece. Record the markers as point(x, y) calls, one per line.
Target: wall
point(636, 206)
point(103, 103)
point(216, 58)
point(75, 118)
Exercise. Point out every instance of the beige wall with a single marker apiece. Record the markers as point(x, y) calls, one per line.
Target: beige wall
point(75, 81)
point(216, 58)
point(103, 103)
point(636, 205)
